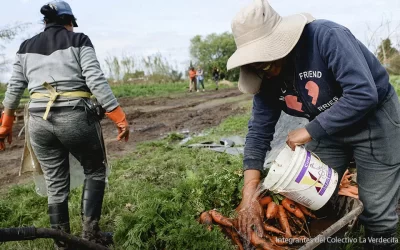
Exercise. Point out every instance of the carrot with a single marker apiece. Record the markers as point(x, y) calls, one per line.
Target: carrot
point(293, 228)
point(220, 219)
point(297, 221)
point(261, 243)
point(300, 225)
point(283, 221)
point(272, 229)
point(272, 210)
point(353, 189)
point(290, 206)
point(234, 237)
point(265, 201)
point(306, 211)
point(346, 179)
point(346, 192)
point(206, 219)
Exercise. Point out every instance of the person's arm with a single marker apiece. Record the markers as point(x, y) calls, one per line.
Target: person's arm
point(342, 54)
point(15, 88)
point(100, 88)
point(265, 115)
point(95, 79)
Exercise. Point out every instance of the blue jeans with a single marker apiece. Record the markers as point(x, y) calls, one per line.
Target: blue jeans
point(200, 81)
point(374, 143)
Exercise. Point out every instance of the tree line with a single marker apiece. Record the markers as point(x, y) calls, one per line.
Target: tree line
point(209, 52)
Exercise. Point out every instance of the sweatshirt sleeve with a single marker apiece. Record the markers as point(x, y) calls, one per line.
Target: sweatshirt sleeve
point(95, 78)
point(265, 115)
point(16, 85)
point(341, 52)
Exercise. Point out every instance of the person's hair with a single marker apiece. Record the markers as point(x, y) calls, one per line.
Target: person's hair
point(191, 68)
point(50, 16)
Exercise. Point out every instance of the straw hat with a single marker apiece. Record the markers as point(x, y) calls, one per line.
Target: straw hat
point(262, 35)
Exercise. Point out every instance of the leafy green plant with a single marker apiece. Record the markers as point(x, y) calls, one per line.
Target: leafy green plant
point(153, 199)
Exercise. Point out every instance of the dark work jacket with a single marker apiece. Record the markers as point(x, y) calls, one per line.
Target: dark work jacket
point(334, 82)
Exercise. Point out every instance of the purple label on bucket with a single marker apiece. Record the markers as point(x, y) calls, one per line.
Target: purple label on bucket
point(304, 169)
point(328, 180)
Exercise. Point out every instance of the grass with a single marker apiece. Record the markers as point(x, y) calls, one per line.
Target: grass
point(143, 90)
point(395, 81)
point(153, 199)
point(135, 90)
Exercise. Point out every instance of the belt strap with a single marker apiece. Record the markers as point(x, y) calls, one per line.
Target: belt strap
point(53, 95)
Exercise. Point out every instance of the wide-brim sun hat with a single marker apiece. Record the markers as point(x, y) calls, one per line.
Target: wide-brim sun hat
point(262, 35)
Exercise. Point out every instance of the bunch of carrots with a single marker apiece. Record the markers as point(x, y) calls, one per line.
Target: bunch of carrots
point(285, 221)
point(347, 186)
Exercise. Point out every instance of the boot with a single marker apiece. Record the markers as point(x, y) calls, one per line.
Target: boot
point(59, 219)
point(380, 240)
point(92, 200)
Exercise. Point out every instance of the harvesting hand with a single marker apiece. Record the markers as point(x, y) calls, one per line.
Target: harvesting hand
point(250, 216)
point(250, 212)
point(119, 118)
point(298, 137)
point(6, 129)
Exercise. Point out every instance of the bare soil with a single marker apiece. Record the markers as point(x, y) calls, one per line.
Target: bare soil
point(150, 118)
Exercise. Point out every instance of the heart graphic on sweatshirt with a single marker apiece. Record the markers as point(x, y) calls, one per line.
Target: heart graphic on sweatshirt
point(292, 103)
point(313, 91)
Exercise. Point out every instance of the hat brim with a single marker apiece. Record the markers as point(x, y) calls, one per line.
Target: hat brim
point(74, 23)
point(275, 46)
point(249, 82)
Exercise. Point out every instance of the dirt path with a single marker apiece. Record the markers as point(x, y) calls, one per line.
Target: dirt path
point(150, 118)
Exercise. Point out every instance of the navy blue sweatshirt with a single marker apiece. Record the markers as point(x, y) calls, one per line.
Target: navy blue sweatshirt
point(330, 78)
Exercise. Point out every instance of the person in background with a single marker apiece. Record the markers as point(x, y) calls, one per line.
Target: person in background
point(318, 70)
point(216, 76)
point(192, 79)
point(60, 69)
point(200, 78)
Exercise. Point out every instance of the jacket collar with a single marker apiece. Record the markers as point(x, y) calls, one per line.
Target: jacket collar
point(52, 25)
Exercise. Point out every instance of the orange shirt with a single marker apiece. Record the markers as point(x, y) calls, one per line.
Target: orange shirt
point(192, 74)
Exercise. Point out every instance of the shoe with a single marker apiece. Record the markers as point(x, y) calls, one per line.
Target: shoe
point(204, 90)
point(59, 219)
point(216, 88)
point(92, 201)
point(198, 91)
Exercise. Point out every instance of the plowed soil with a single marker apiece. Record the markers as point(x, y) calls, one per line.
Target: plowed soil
point(150, 118)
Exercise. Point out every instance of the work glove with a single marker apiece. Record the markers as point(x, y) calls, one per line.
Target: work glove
point(118, 117)
point(7, 122)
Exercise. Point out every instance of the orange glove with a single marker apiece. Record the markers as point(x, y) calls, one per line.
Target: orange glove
point(118, 117)
point(6, 130)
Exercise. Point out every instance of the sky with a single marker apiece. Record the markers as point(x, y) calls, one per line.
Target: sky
point(141, 27)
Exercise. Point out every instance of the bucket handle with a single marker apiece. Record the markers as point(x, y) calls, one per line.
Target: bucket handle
point(298, 190)
point(314, 154)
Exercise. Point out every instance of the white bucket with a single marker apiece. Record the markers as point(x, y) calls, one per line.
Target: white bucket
point(278, 169)
point(290, 172)
point(303, 178)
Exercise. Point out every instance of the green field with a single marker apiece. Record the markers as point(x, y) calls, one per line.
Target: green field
point(153, 199)
point(138, 90)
